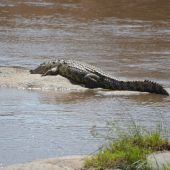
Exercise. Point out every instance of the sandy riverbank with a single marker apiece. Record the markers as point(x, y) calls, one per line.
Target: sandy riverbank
point(60, 163)
point(157, 161)
point(22, 79)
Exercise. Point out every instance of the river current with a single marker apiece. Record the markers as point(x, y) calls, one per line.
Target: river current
point(128, 39)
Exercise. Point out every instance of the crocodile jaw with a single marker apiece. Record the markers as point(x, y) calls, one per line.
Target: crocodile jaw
point(44, 67)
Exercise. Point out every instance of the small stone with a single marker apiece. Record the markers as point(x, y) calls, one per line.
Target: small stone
point(159, 160)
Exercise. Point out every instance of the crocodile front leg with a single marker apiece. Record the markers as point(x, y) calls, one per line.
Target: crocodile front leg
point(91, 81)
point(53, 71)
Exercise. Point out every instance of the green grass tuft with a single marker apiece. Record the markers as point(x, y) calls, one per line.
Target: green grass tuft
point(167, 166)
point(128, 152)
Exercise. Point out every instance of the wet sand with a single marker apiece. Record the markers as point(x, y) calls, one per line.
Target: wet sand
point(61, 163)
point(157, 160)
point(22, 79)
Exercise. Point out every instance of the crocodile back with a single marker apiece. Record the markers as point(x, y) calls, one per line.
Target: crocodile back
point(87, 67)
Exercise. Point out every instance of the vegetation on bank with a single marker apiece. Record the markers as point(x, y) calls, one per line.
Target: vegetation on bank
point(129, 151)
point(167, 167)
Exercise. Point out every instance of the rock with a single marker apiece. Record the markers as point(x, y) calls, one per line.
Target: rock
point(159, 160)
point(20, 78)
point(61, 163)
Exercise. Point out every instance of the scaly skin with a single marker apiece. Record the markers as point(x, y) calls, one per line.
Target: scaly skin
point(92, 77)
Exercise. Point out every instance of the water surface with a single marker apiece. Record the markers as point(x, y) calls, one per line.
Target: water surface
point(128, 39)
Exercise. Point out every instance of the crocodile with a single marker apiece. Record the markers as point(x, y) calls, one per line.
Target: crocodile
point(93, 77)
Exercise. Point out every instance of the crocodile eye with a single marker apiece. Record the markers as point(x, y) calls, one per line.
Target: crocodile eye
point(53, 62)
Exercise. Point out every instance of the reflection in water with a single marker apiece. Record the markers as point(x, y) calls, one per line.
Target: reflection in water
point(129, 39)
point(152, 99)
point(67, 97)
point(46, 124)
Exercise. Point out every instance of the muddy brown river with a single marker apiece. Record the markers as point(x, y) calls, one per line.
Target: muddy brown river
point(129, 39)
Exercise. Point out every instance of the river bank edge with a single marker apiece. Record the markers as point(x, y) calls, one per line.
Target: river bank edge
point(156, 160)
point(74, 162)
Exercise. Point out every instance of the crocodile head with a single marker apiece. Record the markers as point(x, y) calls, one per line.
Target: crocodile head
point(44, 67)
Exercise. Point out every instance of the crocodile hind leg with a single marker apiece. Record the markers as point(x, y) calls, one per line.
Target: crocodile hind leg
point(91, 81)
point(53, 71)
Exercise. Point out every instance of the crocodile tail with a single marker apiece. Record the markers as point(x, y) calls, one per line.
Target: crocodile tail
point(143, 86)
